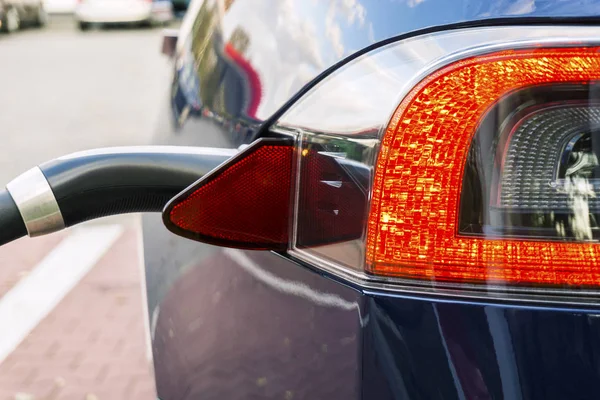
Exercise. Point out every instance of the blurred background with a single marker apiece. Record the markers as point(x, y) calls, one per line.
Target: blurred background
point(77, 75)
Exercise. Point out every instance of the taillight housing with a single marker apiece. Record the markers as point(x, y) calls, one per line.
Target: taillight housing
point(484, 175)
point(464, 161)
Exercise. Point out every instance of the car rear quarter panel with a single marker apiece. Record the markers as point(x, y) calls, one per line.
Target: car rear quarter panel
point(229, 324)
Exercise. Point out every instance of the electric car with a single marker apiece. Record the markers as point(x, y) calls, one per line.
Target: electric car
point(441, 149)
point(366, 199)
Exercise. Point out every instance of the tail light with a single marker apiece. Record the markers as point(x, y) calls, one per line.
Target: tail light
point(533, 230)
point(465, 159)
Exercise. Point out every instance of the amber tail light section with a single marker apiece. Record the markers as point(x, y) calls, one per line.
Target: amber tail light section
point(413, 225)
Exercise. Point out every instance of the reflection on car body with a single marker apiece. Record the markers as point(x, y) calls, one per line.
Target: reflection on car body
point(180, 5)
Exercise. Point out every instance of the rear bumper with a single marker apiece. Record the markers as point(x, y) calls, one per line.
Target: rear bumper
point(122, 12)
point(60, 6)
point(118, 13)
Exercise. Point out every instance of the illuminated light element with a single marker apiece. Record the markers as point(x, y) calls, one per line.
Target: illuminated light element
point(245, 203)
point(412, 227)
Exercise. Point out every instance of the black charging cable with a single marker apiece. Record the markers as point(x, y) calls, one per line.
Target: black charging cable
point(98, 183)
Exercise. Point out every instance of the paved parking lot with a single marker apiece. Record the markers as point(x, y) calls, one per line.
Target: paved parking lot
point(71, 307)
point(63, 91)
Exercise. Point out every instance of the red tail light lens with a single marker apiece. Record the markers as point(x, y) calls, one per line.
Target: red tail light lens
point(245, 203)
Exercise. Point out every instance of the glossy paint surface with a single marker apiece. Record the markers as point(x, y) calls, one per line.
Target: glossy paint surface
point(254, 325)
point(250, 325)
point(441, 350)
point(251, 57)
point(238, 325)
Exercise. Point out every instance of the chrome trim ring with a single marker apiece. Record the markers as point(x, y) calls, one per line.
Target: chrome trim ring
point(36, 203)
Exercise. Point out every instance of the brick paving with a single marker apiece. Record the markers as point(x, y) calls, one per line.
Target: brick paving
point(17, 258)
point(92, 346)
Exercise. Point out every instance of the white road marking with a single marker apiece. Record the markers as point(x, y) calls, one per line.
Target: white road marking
point(34, 297)
point(142, 269)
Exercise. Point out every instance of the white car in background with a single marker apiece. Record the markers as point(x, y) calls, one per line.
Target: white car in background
point(88, 12)
point(60, 6)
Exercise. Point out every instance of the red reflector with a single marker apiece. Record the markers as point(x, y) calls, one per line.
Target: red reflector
point(412, 229)
point(245, 203)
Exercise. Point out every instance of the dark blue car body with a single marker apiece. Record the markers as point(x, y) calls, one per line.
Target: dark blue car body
point(233, 324)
